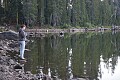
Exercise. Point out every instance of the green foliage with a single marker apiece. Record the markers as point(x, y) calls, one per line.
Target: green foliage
point(30, 11)
point(84, 13)
point(89, 25)
point(65, 26)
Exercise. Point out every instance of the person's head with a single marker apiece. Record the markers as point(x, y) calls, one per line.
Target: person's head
point(23, 26)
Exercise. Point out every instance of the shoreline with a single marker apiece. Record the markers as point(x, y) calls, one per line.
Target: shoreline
point(11, 68)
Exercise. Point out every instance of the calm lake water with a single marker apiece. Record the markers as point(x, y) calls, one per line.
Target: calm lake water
point(92, 55)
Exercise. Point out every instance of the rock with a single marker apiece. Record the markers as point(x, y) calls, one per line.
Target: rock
point(2, 52)
point(3, 58)
point(8, 46)
point(28, 72)
point(13, 45)
point(1, 48)
point(10, 35)
point(17, 66)
point(4, 68)
point(6, 76)
point(1, 61)
point(11, 62)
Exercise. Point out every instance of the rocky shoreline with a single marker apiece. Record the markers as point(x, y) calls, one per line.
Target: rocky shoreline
point(11, 69)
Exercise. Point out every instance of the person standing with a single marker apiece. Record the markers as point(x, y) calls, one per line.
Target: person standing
point(22, 39)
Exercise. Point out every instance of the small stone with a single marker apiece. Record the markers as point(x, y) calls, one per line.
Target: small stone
point(2, 51)
point(11, 62)
point(4, 68)
point(3, 54)
point(17, 66)
point(28, 72)
point(1, 48)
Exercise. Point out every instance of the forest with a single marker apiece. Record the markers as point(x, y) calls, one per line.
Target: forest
point(60, 13)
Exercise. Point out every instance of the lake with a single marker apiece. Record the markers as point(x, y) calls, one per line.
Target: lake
point(88, 55)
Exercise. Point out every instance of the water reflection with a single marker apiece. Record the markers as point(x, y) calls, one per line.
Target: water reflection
point(89, 55)
point(69, 67)
point(108, 72)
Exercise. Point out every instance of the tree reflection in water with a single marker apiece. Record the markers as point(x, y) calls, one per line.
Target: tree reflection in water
point(81, 55)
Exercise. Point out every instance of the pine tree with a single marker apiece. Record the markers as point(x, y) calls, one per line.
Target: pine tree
point(40, 17)
point(30, 12)
point(65, 13)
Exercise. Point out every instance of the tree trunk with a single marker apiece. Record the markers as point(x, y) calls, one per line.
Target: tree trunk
point(40, 12)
